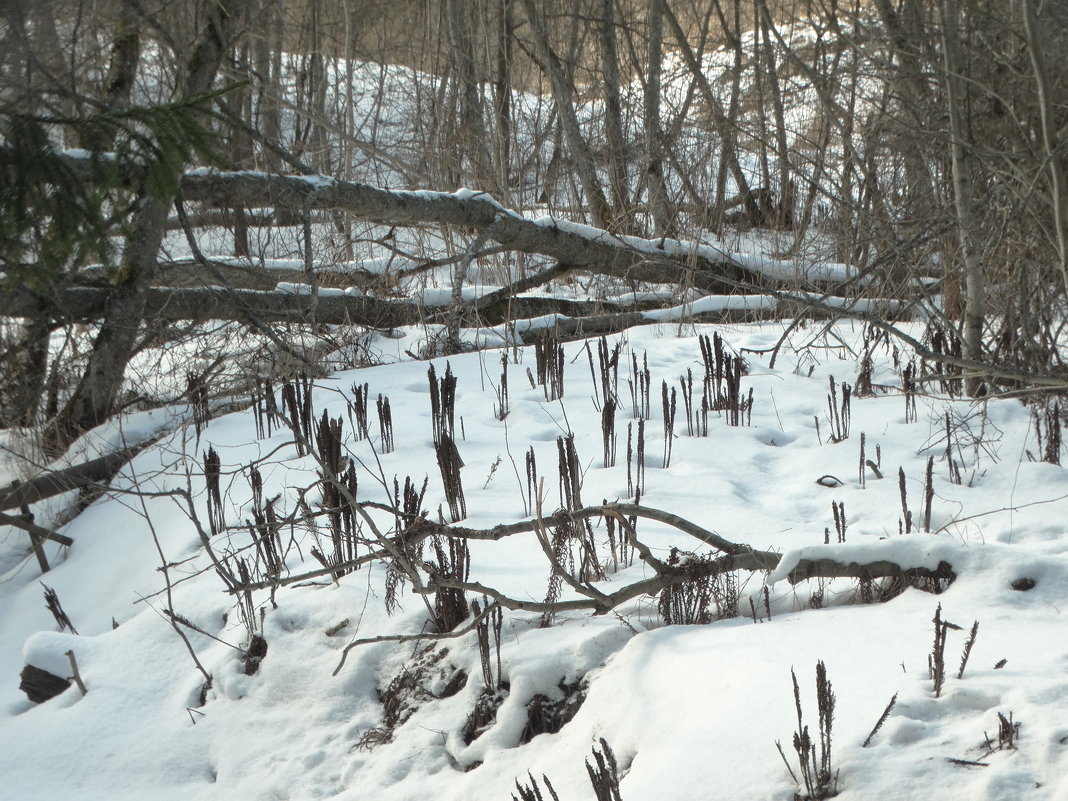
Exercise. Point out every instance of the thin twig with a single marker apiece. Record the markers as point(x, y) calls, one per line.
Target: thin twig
point(76, 675)
point(444, 635)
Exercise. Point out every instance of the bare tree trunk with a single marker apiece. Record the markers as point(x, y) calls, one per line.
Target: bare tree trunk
point(96, 394)
point(125, 56)
point(1051, 142)
point(322, 157)
point(24, 367)
point(27, 361)
point(240, 143)
point(654, 163)
point(828, 89)
point(33, 57)
point(613, 111)
point(725, 122)
point(581, 156)
point(961, 149)
point(472, 122)
point(785, 196)
point(913, 97)
point(502, 99)
point(95, 397)
point(757, 70)
point(265, 111)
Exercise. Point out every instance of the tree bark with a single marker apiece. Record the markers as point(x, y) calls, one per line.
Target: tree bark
point(961, 149)
point(502, 99)
point(784, 201)
point(613, 113)
point(472, 122)
point(25, 368)
point(725, 122)
point(731, 557)
point(93, 400)
point(96, 471)
point(655, 185)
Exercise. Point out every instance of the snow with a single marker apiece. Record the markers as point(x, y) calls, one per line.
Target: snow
point(711, 251)
point(691, 711)
point(687, 709)
point(713, 303)
point(288, 288)
point(86, 155)
point(906, 552)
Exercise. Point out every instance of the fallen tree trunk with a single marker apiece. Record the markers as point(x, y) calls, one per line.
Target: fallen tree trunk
point(631, 258)
point(166, 304)
point(40, 685)
point(97, 471)
point(575, 245)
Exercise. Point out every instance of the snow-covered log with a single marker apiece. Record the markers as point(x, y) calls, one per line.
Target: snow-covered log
point(572, 244)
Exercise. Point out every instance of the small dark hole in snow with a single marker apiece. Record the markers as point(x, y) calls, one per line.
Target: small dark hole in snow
point(1023, 584)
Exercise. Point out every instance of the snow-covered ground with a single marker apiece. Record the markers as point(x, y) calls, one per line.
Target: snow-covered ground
point(690, 711)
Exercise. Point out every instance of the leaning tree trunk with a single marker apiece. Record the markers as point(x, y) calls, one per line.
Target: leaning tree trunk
point(95, 397)
point(581, 155)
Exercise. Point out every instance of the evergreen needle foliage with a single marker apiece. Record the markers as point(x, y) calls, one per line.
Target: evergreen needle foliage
point(56, 217)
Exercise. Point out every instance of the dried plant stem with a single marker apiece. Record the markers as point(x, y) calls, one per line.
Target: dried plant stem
point(604, 773)
point(785, 761)
point(968, 649)
point(76, 675)
point(906, 514)
point(879, 723)
point(928, 493)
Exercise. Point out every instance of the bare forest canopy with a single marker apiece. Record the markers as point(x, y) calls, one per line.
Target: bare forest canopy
point(671, 149)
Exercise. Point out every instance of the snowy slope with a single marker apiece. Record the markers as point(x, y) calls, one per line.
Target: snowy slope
point(690, 711)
